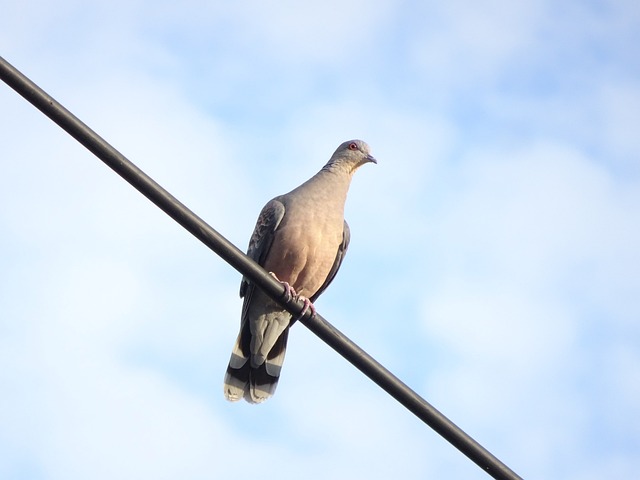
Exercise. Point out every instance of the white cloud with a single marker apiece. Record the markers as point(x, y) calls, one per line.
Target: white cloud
point(462, 43)
point(528, 243)
point(338, 31)
point(621, 104)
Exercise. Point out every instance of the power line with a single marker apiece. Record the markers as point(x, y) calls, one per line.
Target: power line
point(251, 270)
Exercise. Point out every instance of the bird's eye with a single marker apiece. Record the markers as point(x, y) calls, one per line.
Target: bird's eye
point(353, 146)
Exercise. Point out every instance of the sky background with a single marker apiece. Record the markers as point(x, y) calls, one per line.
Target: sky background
point(493, 266)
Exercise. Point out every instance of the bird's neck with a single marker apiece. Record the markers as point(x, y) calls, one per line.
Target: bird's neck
point(333, 180)
point(340, 168)
point(336, 175)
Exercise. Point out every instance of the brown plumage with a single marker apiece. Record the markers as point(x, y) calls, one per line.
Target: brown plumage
point(302, 238)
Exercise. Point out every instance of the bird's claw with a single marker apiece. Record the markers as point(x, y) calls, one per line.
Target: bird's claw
point(307, 306)
point(289, 292)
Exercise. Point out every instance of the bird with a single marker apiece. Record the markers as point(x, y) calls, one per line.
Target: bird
point(300, 238)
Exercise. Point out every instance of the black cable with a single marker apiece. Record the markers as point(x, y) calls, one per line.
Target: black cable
point(251, 270)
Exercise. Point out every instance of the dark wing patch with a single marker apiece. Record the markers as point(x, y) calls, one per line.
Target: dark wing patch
point(262, 236)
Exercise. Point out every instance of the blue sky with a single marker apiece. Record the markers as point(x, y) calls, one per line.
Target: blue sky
point(494, 257)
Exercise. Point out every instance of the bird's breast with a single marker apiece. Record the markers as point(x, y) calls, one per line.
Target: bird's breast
point(303, 253)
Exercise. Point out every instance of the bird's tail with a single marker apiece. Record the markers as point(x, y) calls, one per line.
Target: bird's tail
point(254, 382)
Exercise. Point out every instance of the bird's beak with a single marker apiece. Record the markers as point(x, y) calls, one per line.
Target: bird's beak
point(371, 159)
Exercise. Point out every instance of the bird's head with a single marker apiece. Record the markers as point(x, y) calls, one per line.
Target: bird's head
point(349, 156)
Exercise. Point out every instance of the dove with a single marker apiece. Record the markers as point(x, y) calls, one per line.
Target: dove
point(300, 238)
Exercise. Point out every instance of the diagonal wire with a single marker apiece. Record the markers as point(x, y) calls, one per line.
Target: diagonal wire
point(254, 272)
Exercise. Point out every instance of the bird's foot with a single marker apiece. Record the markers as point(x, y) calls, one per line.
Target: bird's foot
point(289, 292)
point(307, 306)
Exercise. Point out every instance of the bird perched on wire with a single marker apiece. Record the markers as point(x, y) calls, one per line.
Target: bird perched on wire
point(300, 238)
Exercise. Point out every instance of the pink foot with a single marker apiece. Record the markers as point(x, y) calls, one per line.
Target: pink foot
point(289, 292)
point(307, 306)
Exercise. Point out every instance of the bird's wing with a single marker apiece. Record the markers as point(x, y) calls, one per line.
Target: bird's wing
point(259, 245)
point(241, 380)
point(262, 236)
point(342, 251)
